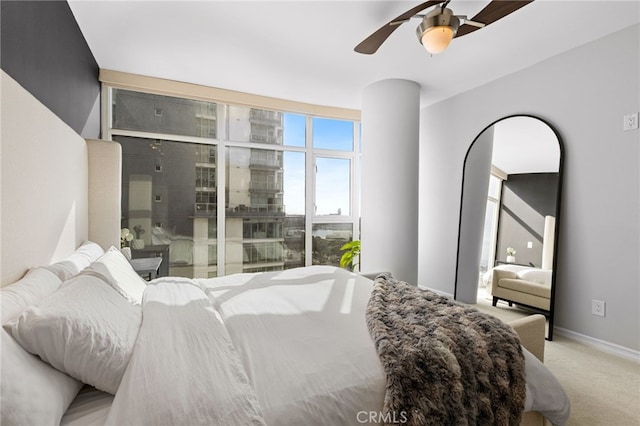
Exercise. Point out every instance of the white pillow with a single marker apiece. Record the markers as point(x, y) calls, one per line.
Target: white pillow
point(85, 329)
point(77, 261)
point(116, 271)
point(37, 284)
point(540, 276)
point(32, 392)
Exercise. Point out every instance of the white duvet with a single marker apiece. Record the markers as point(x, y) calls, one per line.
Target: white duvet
point(306, 347)
point(304, 342)
point(279, 348)
point(184, 368)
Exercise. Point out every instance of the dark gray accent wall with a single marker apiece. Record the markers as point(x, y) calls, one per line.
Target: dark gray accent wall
point(44, 50)
point(526, 200)
point(537, 190)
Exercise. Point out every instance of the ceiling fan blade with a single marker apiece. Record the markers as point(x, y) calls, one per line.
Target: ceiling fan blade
point(494, 11)
point(371, 44)
point(473, 23)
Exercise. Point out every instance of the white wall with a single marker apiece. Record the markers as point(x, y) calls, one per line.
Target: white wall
point(584, 94)
point(389, 200)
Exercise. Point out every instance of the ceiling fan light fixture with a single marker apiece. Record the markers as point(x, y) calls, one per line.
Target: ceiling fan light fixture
point(437, 29)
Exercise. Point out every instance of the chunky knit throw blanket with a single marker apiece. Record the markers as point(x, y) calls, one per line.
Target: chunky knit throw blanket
point(446, 363)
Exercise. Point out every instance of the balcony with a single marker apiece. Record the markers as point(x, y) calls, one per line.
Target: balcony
point(205, 209)
point(265, 137)
point(255, 210)
point(205, 185)
point(260, 162)
point(266, 133)
point(272, 118)
point(272, 187)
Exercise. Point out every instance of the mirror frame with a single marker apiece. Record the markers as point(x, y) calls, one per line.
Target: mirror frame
point(551, 313)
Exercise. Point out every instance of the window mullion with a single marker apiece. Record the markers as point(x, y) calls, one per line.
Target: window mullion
point(221, 164)
point(310, 192)
point(355, 185)
point(220, 208)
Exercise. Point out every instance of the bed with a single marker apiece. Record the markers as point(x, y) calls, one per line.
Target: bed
point(79, 329)
point(289, 347)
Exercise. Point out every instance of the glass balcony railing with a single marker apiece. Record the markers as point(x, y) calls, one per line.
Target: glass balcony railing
point(242, 209)
point(266, 162)
point(273, 117)
point(266, 186)
point(205, 209)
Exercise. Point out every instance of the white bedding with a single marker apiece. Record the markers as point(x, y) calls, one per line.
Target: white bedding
point(183, 369)
point(299, 337)
point(308, 353)
point(90, 408)
point(306, 348)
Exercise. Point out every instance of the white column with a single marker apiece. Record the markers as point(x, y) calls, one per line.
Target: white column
point(389, 197)
point(548, 242)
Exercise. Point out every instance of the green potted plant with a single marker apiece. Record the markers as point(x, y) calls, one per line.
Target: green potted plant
point(511, 255)
point(351, 256)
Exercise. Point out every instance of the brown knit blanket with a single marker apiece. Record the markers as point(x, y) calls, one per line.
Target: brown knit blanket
point(446, 363)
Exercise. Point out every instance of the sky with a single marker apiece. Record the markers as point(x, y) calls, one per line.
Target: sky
point(333, 174)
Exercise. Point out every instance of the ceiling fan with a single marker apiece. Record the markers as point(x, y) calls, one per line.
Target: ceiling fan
point(440, 26)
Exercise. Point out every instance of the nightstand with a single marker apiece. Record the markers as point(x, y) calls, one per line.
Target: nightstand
point(147, 267)
point(160, 250)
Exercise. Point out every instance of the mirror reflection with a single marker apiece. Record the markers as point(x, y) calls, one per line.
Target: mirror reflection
point(510, 200)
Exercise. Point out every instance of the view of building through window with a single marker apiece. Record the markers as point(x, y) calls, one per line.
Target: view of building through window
point(239, 168)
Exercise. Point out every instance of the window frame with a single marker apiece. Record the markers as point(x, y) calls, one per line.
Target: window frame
point(222, 142)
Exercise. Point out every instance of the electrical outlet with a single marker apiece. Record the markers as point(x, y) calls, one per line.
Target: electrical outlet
point(598, 307)
point(630, 122)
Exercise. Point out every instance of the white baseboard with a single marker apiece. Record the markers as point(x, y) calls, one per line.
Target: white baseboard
point(600, 344)
point(441, 293)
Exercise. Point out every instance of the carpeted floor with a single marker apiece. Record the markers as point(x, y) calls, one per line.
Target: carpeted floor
point(604, 388)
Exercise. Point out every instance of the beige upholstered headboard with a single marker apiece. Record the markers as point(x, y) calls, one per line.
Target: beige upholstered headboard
point(105, 188)
point(58, 190)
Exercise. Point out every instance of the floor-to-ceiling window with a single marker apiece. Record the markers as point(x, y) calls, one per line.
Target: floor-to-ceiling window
point(220, 188)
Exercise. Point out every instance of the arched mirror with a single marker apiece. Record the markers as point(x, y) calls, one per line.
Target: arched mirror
point(510, 203)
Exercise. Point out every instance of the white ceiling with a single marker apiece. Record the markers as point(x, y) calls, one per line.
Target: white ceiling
point(303, 50)
point(525, 145)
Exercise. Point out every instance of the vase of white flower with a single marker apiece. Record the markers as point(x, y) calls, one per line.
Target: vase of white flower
point(125, 239)
point(511, 255)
